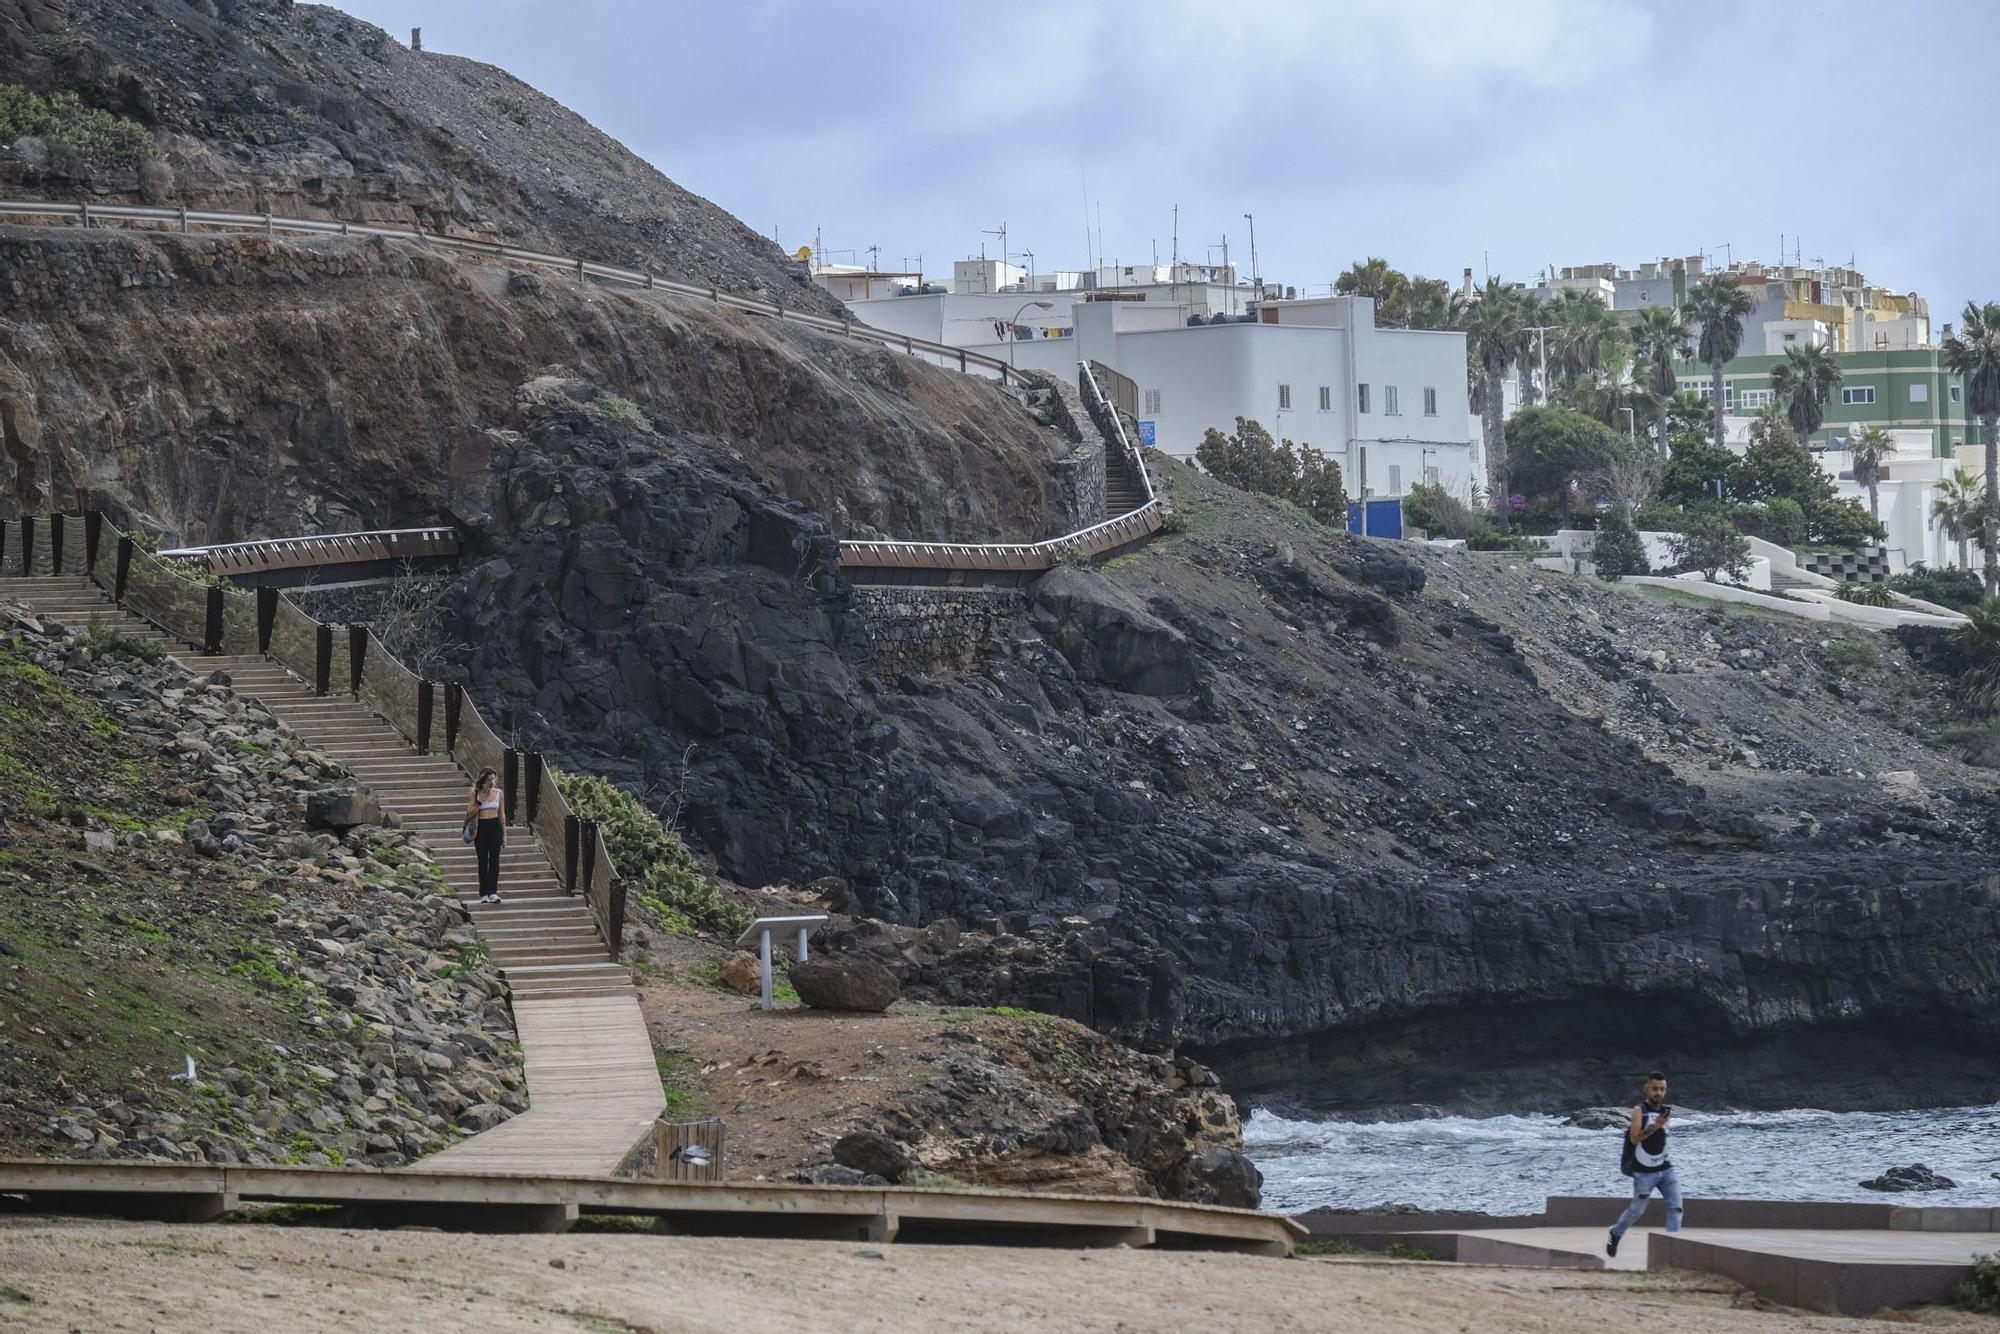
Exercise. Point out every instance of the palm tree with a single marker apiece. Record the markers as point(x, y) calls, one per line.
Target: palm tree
point(1953, 511)
point(1429, 303)
point(1660, 337)
point(1974, 354)
point(1871, 450)
point(1493, 342)
point(1803, 382)
point(1374, 278)
point(1718, 305)
point(1583, 335)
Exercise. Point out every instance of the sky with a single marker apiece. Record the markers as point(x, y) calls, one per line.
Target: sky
point(1503, 137)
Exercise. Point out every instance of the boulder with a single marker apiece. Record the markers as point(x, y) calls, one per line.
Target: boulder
point(1914, 1177)
point(842, 983)
point(1597, 1118)
point(1226, 1177)
point(1108, 637)
point(834, 1174)
point(872, 1152)
point(741, 973)
point(342, 808)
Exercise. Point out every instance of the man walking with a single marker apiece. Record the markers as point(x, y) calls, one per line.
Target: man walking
point(1644, 1159)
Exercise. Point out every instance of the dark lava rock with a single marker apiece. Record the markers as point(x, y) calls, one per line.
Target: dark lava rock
point(872, 1152)
point(833, 1174)
point(1226, 1177)
point(1597, 1118)
point(1108, 637)
point(1914, 1177)
point(342, 808)
point(844, 984)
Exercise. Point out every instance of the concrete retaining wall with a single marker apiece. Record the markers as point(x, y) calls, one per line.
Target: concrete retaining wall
point(936, 629)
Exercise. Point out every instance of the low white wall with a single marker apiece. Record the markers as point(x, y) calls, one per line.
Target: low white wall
point(1701, 588)
point(1574, 542)
point(1876, 618)
point(1785, 561)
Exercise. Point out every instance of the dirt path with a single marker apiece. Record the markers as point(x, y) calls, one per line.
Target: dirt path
point(100, 1276)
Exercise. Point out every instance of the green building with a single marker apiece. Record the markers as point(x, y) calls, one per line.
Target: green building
point(1902, 391)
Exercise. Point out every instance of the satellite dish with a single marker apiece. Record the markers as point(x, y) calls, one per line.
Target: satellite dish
point(803, 254)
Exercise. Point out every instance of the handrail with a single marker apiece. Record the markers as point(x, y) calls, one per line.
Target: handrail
point(230, 620)
point(1100, 537)
point(271, 223)
point(374, 534)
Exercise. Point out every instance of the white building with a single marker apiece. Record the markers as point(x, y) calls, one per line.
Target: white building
point(1389, 404)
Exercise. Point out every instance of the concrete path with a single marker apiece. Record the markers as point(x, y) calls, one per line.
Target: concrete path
point(593, 1086)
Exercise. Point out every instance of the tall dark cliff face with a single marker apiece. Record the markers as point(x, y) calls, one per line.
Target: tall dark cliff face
point(263, 105)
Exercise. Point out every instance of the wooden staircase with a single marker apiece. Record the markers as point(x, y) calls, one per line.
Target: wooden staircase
point(544, 941)
point(1123, 491)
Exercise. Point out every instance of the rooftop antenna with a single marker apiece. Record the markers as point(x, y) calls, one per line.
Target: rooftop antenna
point(1175, 272)
point(1728, 255)
point(1030, 256)
point(874, 258)
point(1089, 255)
point(1256, 275)
point(1001, 232)
point(1100, 234)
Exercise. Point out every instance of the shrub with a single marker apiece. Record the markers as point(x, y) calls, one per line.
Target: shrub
point(1841, 523)
point(1710, 543)
point(1866, 595)
point(1781, 520)
point(1439, 513)
point(1957, 589)
point(1981, 1292)
point(1851, 653)
point(664, 876)
point(1250, 460)
point(98, 137)
point(1618, 549)
point(513, 108)
point(1979, 641)
point(1661, 517)
point(1486, 537)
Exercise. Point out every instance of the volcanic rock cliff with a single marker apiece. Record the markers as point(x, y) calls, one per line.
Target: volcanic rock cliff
point(1362, 826)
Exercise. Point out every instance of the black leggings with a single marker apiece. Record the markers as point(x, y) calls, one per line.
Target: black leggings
point(487, 843)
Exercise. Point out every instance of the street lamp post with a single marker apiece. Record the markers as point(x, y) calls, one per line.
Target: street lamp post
point(1011, 338)
point(1631, 425)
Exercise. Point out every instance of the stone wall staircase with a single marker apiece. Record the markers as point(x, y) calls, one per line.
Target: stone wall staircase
point(1123, 490)
point(544, 941)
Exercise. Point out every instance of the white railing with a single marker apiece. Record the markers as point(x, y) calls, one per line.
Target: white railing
point(1135, 459)
point(271, 224)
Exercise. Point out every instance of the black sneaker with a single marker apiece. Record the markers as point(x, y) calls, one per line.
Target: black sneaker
point(1611, 1245)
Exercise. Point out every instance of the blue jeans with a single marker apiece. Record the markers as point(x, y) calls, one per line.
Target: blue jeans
point(1643, 1185)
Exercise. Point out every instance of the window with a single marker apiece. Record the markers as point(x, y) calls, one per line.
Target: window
point(1432, 477)
point(1284, 396)
point(1430, 402)
point(1920, 393)
point(1395, 479)
point(1326, 398)
point(1957, 392)
point(1390, 408)
point(1752, 399)
point(1362, 391)
point(1864, 393)
point(1707, 391)
point(1152, 400)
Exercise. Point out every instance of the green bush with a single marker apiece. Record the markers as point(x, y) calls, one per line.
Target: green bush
point(1662, 516)
point(662, 875)
point(1485, 537)
point(1781, 520)
point(1710, 543)
point(1866, 595)
point(513, 108)
point(98, 137)
point(1250, 460)
point(1981, 1292)
point(1439, 513)
point(1956, 589)
point(1841, 523)
point(1618, 549)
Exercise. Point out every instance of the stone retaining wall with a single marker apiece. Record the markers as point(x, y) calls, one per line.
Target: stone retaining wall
point(935, 629)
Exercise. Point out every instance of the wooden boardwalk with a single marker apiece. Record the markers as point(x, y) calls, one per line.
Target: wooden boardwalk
point(593, 1086)
point(595, 1089)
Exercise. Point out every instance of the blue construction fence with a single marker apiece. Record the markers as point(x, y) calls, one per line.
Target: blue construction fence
point(1383, 518)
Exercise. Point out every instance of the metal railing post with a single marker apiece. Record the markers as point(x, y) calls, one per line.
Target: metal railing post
point(587, 837)
point(322, 658)
point(425, 691)
point(454, 702)
point(267, 617)
point(510, 781)
point(572, 848)
point(211, 639)
point(532, 780)
point(123, 571)
point(357, 657)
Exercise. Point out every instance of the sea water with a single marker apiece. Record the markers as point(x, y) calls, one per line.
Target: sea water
point(1507, 1164)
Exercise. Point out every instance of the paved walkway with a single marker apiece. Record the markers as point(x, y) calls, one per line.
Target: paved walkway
point(593, 1086)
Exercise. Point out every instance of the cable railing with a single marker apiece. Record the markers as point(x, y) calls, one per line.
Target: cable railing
point(219, 619)
point(262, 555)
point(270, 224)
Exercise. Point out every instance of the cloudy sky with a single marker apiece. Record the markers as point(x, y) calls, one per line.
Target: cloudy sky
point(1442, 134)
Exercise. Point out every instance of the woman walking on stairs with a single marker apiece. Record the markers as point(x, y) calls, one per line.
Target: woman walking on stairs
point(486, 830)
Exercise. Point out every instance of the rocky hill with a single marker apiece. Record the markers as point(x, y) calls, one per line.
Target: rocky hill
point(1360, 825)
point(188, 973)
point(264, 105)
